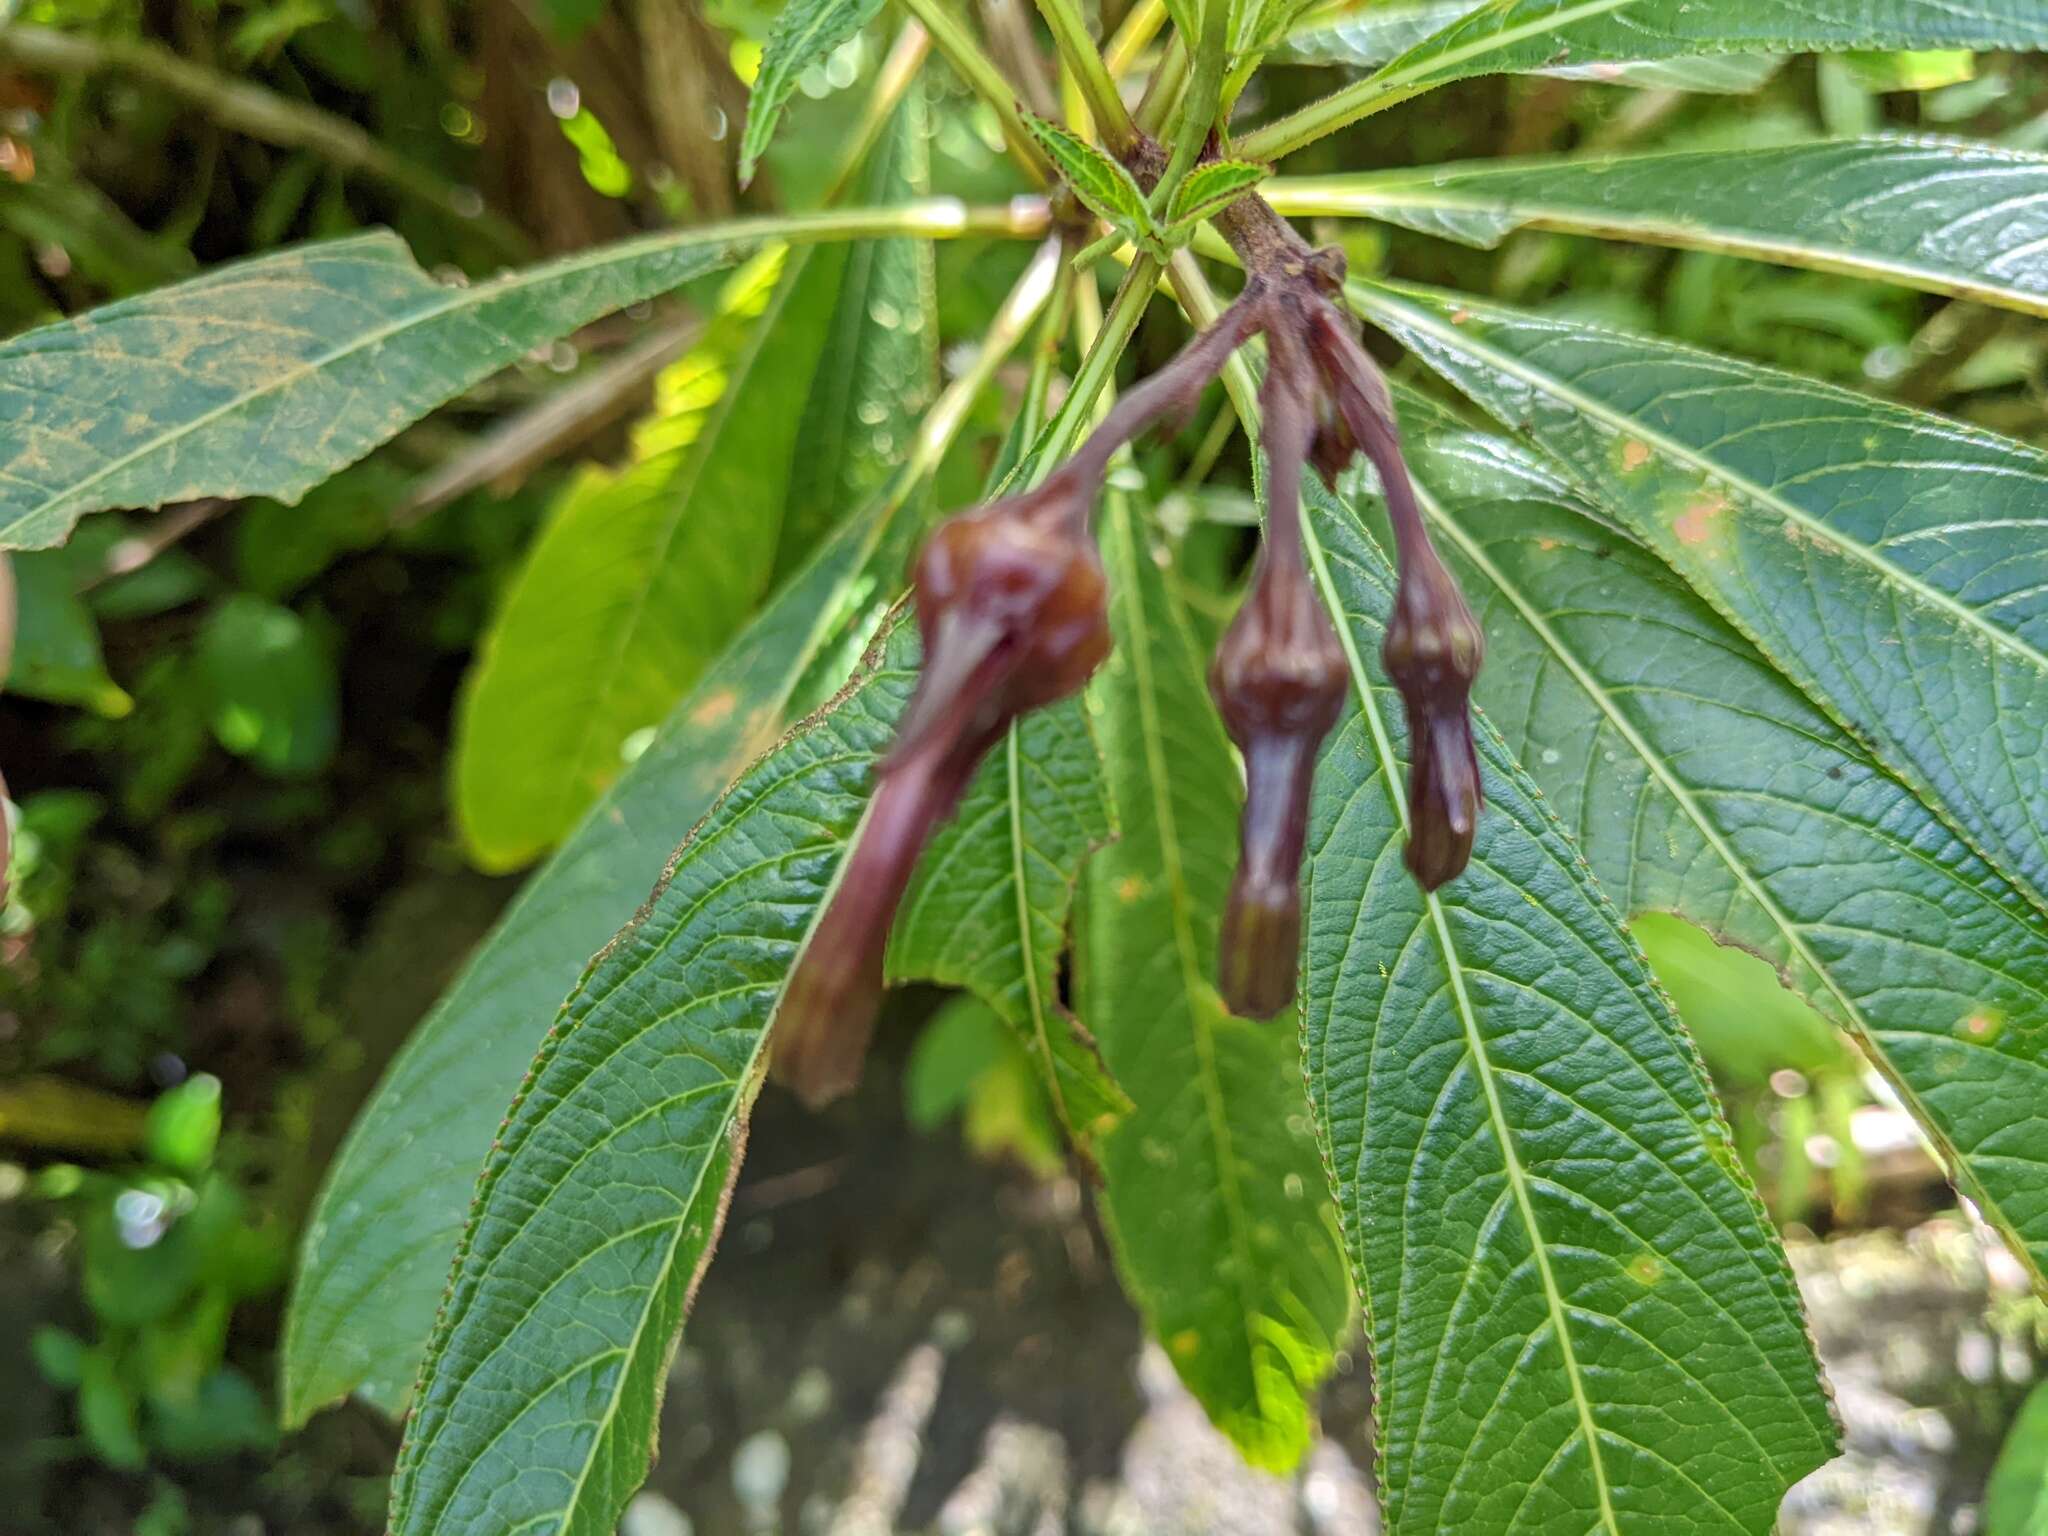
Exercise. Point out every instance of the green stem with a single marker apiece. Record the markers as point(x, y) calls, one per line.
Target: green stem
point(932, 218)
point(1162, 92)
point(1338, 110)
point(941, 424)
point(1125, 310)
point(899, 68)
point(260, 114)
point(971, 62)
point(1198, 106)
point(1138, 30)
point(1077, 49)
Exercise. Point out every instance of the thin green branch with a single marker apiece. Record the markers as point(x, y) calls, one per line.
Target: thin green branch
point(1339, 109)
point(1125, 310)
point(1139, 27)
point(1077, 50)
point(1199, 105)
point(1162, 91)
point(260, 114)
point(899, 68)
point(941, 424)
point(972, 63)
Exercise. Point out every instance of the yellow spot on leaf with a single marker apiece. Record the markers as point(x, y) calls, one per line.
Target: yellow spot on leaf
point(1634, 454)
point(1695, 524)
point(715, 709)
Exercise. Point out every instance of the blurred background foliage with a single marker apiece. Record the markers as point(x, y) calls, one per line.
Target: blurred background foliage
point(242, 865)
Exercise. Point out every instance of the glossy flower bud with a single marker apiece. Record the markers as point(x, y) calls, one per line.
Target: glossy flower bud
point(1432, 652)
point(1011, 604)
point(1279, 682)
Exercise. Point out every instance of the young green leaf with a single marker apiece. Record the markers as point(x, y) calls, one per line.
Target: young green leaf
point(1580, 1317)
point(375, 1253)
point(805, 33)
point(1102, 184)
point(1209, 189)
point(1213, 1194)
point(1893, 564)
point(1368, 38)
point(55, 652)
point(1699, 782)
point(604, 1192)
point(1946, 215)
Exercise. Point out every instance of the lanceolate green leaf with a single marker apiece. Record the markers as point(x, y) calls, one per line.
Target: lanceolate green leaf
point(805, 32)
point(641, 576)
point(1893, 564)
point(264, 377)
point(1214, 1195)
point(882, 356)
point(1698, 781)
point(790, 412)
point(604, 1193)
point(989, 907)
point(1369, 38)
point(1580, 1318)
point(375, 1254)
point(1100, 182)
point(1516, 36)
point(1948, 215)
point(1210, 188)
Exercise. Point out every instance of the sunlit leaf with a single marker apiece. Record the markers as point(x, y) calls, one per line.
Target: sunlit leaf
point(805, 33)
point(1947, 215)
point(1580, 1317)
point(1214, 1196)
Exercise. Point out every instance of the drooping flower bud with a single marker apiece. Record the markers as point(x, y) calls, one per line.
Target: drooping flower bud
point(1432, 652)
point(1011, 606)
point(1279, 682)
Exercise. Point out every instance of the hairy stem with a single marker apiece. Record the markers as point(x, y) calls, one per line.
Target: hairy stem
point(1091, 75)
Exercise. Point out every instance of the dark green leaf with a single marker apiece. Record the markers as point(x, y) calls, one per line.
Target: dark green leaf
point(1893, 564)
point(1580, 1317)
point(272, 693)
point(988, 909)
point(1214, 1196)
point(56, 653)
point(805, 33)
point(376, 1249)
point(1100, 182)
point(1699, 782)
point(264, 377)
point(2016, 1501)
point(604, 1193)
point(1946, 215)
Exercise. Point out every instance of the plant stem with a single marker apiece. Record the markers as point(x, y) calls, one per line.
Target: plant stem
point(905, 57)
point(260, 114)
point(973, 65)
point(1337, 110)
point(1198, 106)
point(1162, 91)
point(1125, 310)
point(1078, 51)
point(941, 424)
point(1141, 24)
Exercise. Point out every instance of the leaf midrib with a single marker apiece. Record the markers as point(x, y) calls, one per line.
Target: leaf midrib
point(1156, 776)
point(1380, 296)
point(602, 1425)
point(1955, 1165)
point(1475, 1045)
point(1713, 237)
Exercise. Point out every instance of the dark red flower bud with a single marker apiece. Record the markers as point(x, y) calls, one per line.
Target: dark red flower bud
point(1279, 682)
point(1011, 605)
point(1432, 652)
